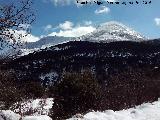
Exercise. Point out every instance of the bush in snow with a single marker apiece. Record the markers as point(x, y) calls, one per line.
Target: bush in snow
point(75, 93)
point(33, 89)
point(12, 90)
point(33, 107)
point(130, 88)
point(9, 92)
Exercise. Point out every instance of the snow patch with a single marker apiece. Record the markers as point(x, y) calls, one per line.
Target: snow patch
point(33, 107)
point(146, 111)
point(42, 117)
point(49, 77)
point(8, 115)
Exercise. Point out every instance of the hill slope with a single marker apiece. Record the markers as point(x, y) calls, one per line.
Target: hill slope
point(103, 58)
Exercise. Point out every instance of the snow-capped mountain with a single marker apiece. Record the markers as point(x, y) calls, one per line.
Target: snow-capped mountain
point(47, 42)
point(113, 31)
point(106, 32)
point(30, 47)
point(43, 43)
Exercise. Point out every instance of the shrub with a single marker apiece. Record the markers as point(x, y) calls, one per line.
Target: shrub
point(12, 91)
point(9, 92)
point(33, 89)
point(75, 93)
point(130, 88)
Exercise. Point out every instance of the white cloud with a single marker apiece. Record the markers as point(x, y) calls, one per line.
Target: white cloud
point(30, 38)
point(22, 36)
point(75, 32)
point(67, 25)
point(48, 27)
point(157, 20)
point(102, 9)
point(67, 29)
point(88, 23)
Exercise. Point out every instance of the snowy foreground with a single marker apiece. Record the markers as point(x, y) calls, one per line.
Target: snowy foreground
point(9, 115)
point(38, 109)
point(146, 111)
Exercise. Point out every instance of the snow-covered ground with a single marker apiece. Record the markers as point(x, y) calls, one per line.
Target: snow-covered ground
point(9, 115)
point(37, 109)
point(33, 107)
point(146, 111)
point(42, 117)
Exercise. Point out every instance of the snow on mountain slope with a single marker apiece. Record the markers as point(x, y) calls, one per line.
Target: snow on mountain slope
point(43, 43)
point(113, 31)
point(30, 47)
point(147, 111)
point(47, 42)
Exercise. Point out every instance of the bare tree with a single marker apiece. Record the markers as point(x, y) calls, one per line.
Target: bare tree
point(16, 16)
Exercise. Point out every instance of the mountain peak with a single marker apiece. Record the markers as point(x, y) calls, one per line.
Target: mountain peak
point(113, 31)
point(112, 23)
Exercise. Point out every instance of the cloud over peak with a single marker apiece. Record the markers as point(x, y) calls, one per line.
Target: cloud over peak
point(67, 25)
point(68, 29)
point(48, 27)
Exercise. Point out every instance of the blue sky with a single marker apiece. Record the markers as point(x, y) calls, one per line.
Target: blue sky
point(66, 18)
